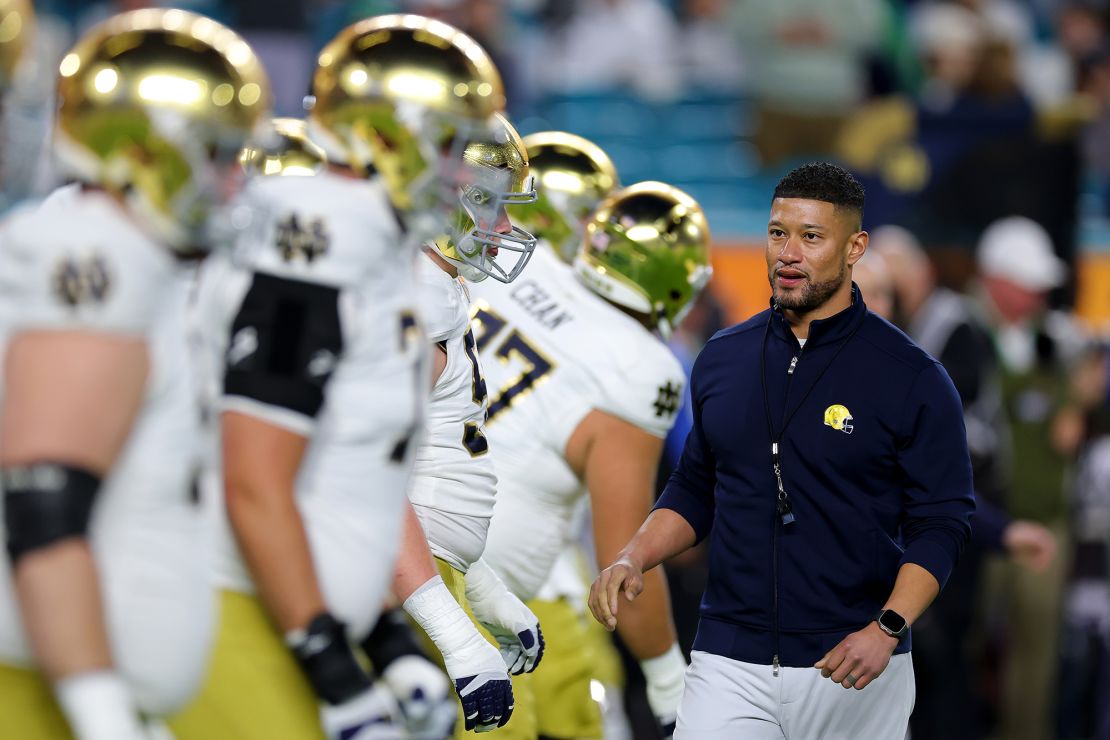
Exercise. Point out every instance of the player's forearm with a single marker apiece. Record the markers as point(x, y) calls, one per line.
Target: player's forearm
point(914, 589)
point(274, 544)
point(59, 598)
point(415, 565)
point(663, 535)
point(645, 625)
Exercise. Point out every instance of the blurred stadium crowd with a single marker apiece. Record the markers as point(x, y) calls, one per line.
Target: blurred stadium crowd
point(981, 130)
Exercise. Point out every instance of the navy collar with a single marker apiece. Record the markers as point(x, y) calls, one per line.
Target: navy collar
point(823, 331)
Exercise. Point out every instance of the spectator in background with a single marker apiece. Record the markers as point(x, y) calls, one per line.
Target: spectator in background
point(949, 327)
point(949, 40)
point(613, 44)
point(708, 52)
point(808, 65)
point(1037, 351)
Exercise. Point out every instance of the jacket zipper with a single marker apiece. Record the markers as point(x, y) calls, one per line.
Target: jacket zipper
point(775, 531)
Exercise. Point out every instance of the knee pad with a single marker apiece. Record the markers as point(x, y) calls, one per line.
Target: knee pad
point(45, 503)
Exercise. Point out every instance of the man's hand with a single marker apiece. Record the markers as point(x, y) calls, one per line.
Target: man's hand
point(512, 624)
point(623, 575)
point(860, 658)
point(1030, 545)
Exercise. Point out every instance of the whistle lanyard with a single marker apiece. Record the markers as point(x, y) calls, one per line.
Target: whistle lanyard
point(784, 508)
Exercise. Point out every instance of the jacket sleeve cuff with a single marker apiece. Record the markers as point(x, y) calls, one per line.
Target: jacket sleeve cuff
point(939, 558)
point(988, 525)
point(689, 508)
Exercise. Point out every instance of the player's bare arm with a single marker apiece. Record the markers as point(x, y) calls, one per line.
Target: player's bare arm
point(617, 461)
point(260, 468)
point(71, 398)
point(415, 565)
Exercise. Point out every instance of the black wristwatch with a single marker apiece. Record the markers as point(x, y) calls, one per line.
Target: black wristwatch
point(892, 623)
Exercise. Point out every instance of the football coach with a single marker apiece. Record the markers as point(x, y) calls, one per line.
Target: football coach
point(828, 466)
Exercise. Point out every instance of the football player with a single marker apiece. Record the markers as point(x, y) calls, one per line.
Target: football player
point(582, 392)
point(106, 605)
point(454, 484)
point(426, 707)
point(323, 386)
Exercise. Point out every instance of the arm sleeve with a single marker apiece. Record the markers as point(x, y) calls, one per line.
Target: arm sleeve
point(691, 489)
point(937, 495)
point(285, 343)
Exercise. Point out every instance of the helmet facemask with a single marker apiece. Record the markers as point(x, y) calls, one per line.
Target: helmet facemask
point(490, 176)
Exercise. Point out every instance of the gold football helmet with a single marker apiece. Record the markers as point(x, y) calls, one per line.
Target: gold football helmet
point(492, 176)
point(572, 176)
point(647, 250)
point(283, 148)
point(17, 20)
point(400, 95)
point(155, 105)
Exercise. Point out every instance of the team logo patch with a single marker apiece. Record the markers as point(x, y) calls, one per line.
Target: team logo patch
point(838, 417)
point(79, 281)
point(666, 404)
point(295, 240)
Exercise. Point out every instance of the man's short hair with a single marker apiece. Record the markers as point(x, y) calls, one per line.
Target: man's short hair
point(826, 182)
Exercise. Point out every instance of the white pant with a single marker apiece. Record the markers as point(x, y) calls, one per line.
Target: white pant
point(726, 698)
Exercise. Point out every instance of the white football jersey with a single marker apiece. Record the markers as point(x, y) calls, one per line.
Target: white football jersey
point(553, 352)
point(454, 473)
point(311, 326)
point(78, 262)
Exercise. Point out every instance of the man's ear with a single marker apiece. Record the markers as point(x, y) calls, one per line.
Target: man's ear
point(857, 246)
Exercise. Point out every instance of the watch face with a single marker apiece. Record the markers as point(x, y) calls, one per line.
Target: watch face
point(892, 621)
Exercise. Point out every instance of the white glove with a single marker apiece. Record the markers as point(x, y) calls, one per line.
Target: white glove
point(666, 678)
point(511, 623)
point(473, 664)
point(423, 696)
point(99, 706)
point(368, 716)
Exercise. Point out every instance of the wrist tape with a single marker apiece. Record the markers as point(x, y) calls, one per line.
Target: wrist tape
point(455, 636)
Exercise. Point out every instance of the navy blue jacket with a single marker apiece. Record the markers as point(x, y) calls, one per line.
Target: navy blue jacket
point(892, 485)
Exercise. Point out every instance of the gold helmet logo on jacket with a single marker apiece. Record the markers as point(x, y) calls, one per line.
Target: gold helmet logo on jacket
point(838, 417)
point(155, 106)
